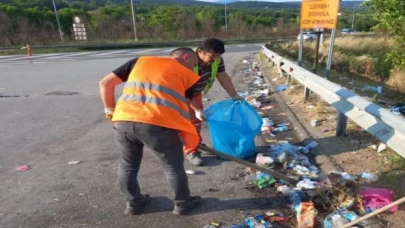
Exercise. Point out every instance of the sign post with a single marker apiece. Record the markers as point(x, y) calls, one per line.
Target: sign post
point(318, 15)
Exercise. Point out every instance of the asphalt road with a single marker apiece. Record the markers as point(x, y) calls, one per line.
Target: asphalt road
point(5, 60)
point(57, 117)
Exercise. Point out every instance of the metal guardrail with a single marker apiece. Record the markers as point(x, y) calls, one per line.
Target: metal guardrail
point(378, 121)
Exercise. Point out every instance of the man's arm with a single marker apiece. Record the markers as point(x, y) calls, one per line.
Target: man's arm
point(108, 83)
point(189, 95)
point(226, 81)
point(227, 84)
point(107, 91)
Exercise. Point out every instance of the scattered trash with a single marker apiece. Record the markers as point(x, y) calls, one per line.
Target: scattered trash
point(306, 215)
point(306, 149)
point(281, 87)
point(191, 172)
point(285, 190)
point(375, 89)
point(263, 180)
point(335, 196)
point(381, 147)
point(263, 160)
point(73, 162)
point(375, 198)
point(270, 107)
point(307, 183)
point(369, 176)
point(280, 129)
point(23, 168)
point(344, 175)
point(206, 99)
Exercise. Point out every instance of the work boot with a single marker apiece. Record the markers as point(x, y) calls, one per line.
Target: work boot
point(186, 207)
point(195, 158)
point(134, 208)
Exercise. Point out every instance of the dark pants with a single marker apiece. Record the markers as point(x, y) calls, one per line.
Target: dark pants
point(130, 138)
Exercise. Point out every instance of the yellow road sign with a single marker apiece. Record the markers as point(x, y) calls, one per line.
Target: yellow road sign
point(319, 14)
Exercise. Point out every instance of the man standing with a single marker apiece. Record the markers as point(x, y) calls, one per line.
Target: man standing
point(210, 67)
point(153, 111)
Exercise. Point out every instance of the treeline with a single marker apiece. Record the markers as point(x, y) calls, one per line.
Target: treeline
point(33, 21)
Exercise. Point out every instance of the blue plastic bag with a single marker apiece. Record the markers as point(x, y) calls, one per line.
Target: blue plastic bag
point(233, 126)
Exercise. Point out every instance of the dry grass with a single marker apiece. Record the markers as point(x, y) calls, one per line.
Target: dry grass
point(365, 57)
point(397, 81)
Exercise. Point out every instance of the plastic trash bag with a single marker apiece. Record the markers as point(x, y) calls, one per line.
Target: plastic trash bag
point(233, 126)
point(375, 198)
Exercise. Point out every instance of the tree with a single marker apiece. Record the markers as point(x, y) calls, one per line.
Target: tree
point(390, 15)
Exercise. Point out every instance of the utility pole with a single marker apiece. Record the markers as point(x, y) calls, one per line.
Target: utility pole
point(226, 19)
point(133, 20)
point(57, 20)
point(354, 11)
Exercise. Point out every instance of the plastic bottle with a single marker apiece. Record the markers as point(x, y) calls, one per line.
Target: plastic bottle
point(369, 176)
point(280, 129)
point(338, 221)
point(296, 200)
point(347, 176)
point(349, 215)
point(309, 147)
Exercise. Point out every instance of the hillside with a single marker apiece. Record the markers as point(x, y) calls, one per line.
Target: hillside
point(97, 3)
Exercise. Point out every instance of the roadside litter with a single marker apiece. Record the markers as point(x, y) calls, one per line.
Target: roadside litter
point(23, 168)
point(317, 199)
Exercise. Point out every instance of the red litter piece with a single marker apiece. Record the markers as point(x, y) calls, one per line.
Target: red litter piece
point(270, 107)
point(23, 168)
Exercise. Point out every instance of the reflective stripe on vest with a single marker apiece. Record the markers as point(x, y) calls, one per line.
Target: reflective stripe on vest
point(213, 76)
point(155, 100)
point(160, 88)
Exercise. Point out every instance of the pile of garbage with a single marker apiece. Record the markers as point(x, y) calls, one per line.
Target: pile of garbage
point(318, 199)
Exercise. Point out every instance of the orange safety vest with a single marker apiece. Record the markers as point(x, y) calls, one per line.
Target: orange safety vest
point(155, 94)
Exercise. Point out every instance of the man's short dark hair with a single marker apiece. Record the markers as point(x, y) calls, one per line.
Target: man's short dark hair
point(212, 45)
point(181, 51)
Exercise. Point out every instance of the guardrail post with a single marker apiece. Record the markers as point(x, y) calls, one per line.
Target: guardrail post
point(288, 79)
point(341, 124)
point(279, 64)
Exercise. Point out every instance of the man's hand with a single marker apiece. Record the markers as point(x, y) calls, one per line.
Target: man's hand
point(200, 115)
point(237, 98)
point(109, 113)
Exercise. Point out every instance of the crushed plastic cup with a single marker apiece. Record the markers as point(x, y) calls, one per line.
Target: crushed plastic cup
point(285, 190)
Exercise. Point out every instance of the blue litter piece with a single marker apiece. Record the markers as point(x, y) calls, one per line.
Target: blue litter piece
point(282, 87)
point(233, 126)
